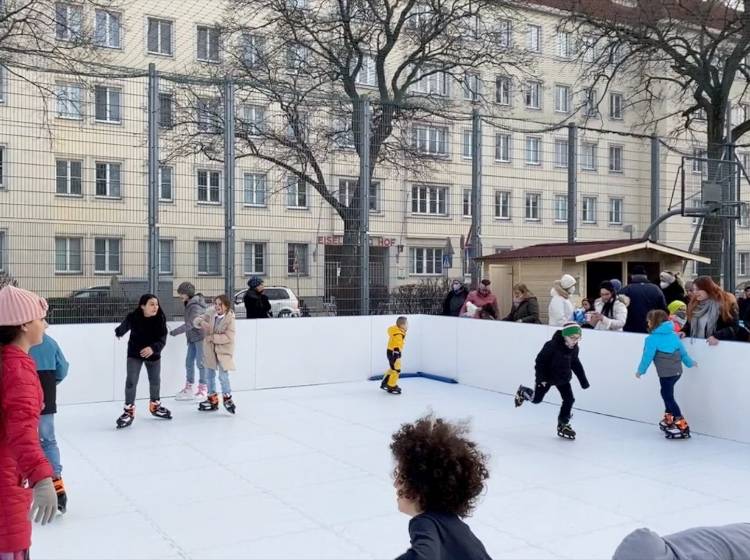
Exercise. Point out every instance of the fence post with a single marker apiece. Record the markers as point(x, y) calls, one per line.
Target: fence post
point(730, 229)
point(655, 185)
point(572, 182)
point(476, 194)
point(153, 179)
point(364, 205)
point(229, 205)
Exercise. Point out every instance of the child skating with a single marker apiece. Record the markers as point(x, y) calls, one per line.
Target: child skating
point(555, 365)
point(664, 348)
point(194, 308)
point(396, 339)
point(218, 326)
point(148, 336)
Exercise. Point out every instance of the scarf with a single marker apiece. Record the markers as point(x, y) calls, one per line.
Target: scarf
point(608, 309)
point(705, 316)
point(562, 292)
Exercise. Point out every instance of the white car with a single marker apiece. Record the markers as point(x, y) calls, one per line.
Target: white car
point(283, 302)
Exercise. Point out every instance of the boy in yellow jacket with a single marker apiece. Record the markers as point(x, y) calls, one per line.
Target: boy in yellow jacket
point(396, 338)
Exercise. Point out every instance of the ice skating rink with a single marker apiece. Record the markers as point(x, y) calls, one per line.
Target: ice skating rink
point(304, 473)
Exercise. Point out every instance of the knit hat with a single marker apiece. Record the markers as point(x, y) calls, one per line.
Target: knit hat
point(18, 307)
point(254, 282)
point(667, 277)
point(567, 282)
point(187, 289)
point(607, 285)
point(675, 306)
point(571, 329)
point(616, 284)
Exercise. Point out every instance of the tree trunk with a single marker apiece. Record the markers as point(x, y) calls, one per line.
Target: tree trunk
point(351, 274)
point(712, 232)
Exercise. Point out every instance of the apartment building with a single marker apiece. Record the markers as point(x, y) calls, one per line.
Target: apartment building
point(74, 176)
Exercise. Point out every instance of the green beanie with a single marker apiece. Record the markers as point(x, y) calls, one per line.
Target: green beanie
point(572, 329)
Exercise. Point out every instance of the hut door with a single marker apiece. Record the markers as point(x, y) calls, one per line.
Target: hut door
point(501, 276)
point(599, 271)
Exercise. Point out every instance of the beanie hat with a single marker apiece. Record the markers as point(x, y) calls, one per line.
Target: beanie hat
point(616, 284)
point(254, 282)
point(567, 282)
point(485, 282)
point(609, 286)
point(18, 307)
point(639, 270)
point(571, 329)
point(667, 277)
point(187, 289)
point(675, 306)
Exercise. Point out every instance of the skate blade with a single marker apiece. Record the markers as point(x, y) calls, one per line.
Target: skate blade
point(564, 436)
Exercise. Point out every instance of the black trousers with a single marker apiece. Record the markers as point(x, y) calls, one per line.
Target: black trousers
point(566, 392)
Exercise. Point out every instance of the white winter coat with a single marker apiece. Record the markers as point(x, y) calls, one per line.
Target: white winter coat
point(560, 309)
point(620, 312)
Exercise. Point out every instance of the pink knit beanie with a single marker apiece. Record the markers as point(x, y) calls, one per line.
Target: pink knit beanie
point(18, 307)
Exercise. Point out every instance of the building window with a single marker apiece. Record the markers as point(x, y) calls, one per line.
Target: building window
point(432, 140)
point(533, 150)
point(108, 183)
point(347, 188)
point(166, 256)
point(431, 82)
point(615, 211)
point(166, 174)
point(367, 75)
point(502, 205)
point(426, 261)
point(68, 20)
point(2, 251)
point(588, 46)
point(3, 84)
point(255, 258)
point(504, 33)
point(107, 255)
point(616, 106)
point(69, 177)
point(534, 38)
point(502, 147)
point(209, 258)
point(699, 160)
point(533, 95)
point(297, 259)
point(68, 255)
point(502, 90)
point(533, 206)
point(208, 44)
point(744, 215)
point(296, 193)
point(252, 50)
point(255, 189)
point(160, 36)
point(466, 147)
point(255, 119)
point(588, 156)
point(472, 87)
point(615, 159)
point(743, 262)
point(561, 153)
point(562, 99)
point(565, 44)
point(208, 115)
point(561, 208)
point(590, 102)
point(166, 110)
point(429, 200)
point(466, 203)
point(296, 57)
point(3, 184)
point(588, 210)
point(108, 29)
point(69, 97)
point(108, 102)
point(209, 189)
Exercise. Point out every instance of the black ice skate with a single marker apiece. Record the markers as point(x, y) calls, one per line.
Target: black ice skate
point(127, 417)
point(395, 390)
point(156, 409)
point(523, 394)
point(566, 431)
point(680, 430)
point(210, 404)
point(229, 403)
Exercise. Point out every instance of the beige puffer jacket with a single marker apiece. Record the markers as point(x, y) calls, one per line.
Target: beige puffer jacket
point(218, 346)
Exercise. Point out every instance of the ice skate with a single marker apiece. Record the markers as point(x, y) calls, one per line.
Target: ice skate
point(210, 404)
point(566, 431)
point(62, 497)
point(395, 390)
point(666, 422)
point(229, 403)
point(127, 417)
point(680, 430)
point(523, 394)
point(202, 393)
point(186, 394)
point(157, 410)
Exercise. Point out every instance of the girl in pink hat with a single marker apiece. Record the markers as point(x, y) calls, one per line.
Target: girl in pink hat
point(22, 326)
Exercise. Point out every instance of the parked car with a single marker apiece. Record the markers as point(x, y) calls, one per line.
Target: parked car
point(283, 302)
point(91, 292)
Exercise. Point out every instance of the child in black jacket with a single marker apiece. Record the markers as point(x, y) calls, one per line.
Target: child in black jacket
point(148, 336)
point(555, 365)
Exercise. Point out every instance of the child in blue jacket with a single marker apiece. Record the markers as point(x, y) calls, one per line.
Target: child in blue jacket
point(664, 348)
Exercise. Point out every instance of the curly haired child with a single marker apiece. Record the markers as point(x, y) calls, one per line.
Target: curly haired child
point(439, 476)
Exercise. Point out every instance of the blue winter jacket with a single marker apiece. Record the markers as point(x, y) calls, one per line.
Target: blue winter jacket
point(663, 339)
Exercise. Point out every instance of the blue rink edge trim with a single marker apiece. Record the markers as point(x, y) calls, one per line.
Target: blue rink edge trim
point(422, 374)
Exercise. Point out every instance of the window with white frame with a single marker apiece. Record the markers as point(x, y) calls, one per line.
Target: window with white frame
point(297, 57)
point(108, 104)
point(615, 158)
point(209, 186)
point(743, 264)
point(4, 85)
point(744, 221)
point(430, 81)
point(429, 200)
point(426, 261)
point(431, 140)
point(533, 150)
point(255, 119)
point(616, 106)
point(68, 259)
point(466, 203)
point(699, 160)
point(3, 183)
point(166, 183)
point(472, 86)
point(590, 102)
point(588, 46)
point(69, 101)
point(209, 258)
point(504, 33)
point(696, 203)
point(297, 259)
point(565, 44)
point(533, 206)
point(562, 99)
point(208, 111)
point(534, 38)
point(347, 188)
point(296, 193)
point(466, 145)
point(107, 255)
point(255, 258)
point(108, 29)
point(108, 180)
point(502, 205)
point(420, 16)
point(367, 74)
point(166, 256)
point(615, 211)
point(69, 179)
point(68, 21)
point(2, 252)
point(533, 97)
point(159, 37)
point(561, 208)
point(253, 48)
point(255, 189)
point(588, 156)
point(298, 127)
point(208, 44)
point(588, 210)
point(502, 147)
point(561, 152)
point(166, 110)
point(502, 90)
point(342, 133)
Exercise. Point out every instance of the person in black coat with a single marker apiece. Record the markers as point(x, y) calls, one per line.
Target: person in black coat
point(671, 286)
point(525, 306)
point(455, 299)
point(644, 297)
point(555, 365)
point(257, 305)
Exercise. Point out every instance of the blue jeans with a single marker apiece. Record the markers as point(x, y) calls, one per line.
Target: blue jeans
point(195, 358)
point(667, 393)
point(226, 388)
point(49, 444)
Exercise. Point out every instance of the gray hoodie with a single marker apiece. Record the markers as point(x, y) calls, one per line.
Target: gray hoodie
point(194, 308)
point(730, 542)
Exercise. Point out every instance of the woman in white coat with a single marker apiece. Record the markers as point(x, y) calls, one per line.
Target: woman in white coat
point(560, 307)
point(610, 310)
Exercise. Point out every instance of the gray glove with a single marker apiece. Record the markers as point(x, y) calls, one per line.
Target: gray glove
point(44, 505)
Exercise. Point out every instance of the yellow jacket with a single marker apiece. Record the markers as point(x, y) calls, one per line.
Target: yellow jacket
point(396, 338)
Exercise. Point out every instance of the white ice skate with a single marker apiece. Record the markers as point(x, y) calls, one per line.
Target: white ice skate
point(202, 393)
point(186, 394)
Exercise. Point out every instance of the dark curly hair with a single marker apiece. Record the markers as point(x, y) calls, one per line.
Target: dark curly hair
point(437, 467)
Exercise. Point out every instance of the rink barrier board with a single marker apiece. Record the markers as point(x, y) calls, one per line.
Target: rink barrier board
point(419, 374)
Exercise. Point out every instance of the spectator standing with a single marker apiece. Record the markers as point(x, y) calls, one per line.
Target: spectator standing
point(525, 306)
point(561, 309)
point(745, 301)
point(644, 297)
point(671, 286)
point(257, 305)
point(455, 299)
point(480, 297)
point(610, 310)
point(712, 313)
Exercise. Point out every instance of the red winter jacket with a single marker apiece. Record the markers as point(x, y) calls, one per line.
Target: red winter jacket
point(21, 456)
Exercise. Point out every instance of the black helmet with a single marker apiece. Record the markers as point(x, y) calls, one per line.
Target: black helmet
point(187, 289)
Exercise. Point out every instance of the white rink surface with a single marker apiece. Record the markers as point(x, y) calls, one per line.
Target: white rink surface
point(304, 473)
